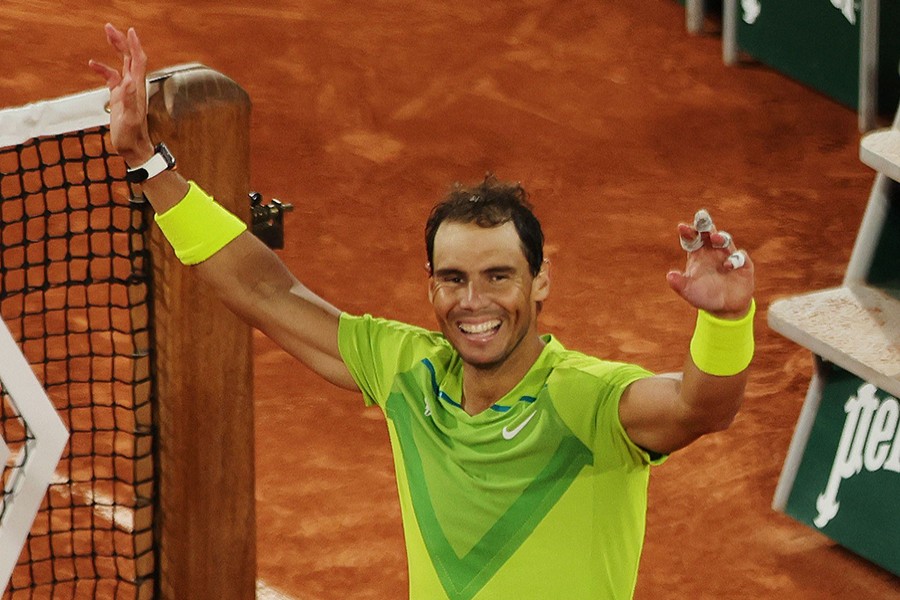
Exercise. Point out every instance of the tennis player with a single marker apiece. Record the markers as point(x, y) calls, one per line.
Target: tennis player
point(522, 466)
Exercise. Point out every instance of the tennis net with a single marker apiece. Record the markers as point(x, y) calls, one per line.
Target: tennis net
point(74, 292)
point(83, 280)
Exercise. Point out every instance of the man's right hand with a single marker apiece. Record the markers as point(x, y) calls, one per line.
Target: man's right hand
point(127, 97)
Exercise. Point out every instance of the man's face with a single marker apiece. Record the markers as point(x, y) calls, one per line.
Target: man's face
point(484, 296)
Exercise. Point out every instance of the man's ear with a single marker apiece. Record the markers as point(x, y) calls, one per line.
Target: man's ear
point(540, 287)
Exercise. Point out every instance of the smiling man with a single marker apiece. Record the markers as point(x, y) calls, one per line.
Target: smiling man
point(522, 467)
point(488, 280)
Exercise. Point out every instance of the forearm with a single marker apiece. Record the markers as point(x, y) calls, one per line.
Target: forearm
point(248, 277)
point(664, 413)
point(709, 402)
point(715, 371)
point(253, 283)
point(240, 269)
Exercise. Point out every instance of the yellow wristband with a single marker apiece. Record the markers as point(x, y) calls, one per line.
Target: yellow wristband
point(723, 347)
point(198, 227)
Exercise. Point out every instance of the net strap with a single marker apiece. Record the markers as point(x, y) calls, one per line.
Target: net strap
point(76, 112)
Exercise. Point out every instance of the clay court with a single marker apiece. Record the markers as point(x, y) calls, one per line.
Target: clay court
point(620, 124)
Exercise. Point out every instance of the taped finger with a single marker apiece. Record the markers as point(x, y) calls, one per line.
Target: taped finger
point(737, 259)
point(691, 245)
point(702, 221)
point(726, 240)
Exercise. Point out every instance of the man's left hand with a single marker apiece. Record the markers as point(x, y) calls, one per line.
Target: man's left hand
point(718, 277)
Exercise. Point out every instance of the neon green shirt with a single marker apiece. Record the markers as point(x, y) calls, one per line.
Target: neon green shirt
point(540, 496)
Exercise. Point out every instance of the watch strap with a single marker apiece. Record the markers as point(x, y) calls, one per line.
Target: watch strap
point(161, 160)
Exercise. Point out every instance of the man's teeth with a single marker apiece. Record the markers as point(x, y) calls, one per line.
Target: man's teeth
point(479, 327)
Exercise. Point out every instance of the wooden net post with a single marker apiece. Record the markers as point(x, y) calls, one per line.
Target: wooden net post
point(205, 521)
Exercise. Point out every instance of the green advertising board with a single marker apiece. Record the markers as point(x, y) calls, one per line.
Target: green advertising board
point(848, 482)
point(817, 42)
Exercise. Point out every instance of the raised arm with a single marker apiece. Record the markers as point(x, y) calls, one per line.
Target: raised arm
point(663, 413)
point(245, 274)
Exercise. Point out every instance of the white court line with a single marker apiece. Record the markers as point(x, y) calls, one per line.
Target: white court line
point(105, 506)
point(264, 592)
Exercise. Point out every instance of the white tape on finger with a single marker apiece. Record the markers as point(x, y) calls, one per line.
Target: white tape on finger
point(738, 259)
point(691, 245)
point(726, 240)
point(702, 221)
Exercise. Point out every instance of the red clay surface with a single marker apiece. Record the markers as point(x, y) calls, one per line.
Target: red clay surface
point(620, 125)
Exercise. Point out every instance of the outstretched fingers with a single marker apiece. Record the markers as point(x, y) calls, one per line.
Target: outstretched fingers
point(736, 259)
point(127, 94)
point(691, 240)
point(111, 75)
point(136, 52)
point(717, 275)
point(116, 38)
point(702, 233)
point(134, 59)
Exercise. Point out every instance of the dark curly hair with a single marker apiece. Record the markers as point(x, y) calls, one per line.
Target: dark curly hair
point(490, 204)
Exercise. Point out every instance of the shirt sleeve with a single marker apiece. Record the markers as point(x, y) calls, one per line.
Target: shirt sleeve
point(587, 392)
point(610, 438)
point(375, 350)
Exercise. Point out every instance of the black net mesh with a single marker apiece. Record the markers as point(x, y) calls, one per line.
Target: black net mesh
point(74, 292)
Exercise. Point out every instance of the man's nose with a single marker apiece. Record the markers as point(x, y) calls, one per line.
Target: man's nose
point(473, 296)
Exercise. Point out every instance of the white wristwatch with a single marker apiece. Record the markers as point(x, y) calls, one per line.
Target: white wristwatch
point(162, 160)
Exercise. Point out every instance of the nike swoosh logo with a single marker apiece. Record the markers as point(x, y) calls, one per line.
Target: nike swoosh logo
point(509, 434)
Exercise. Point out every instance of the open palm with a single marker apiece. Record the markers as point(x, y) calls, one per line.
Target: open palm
point(128, 96)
